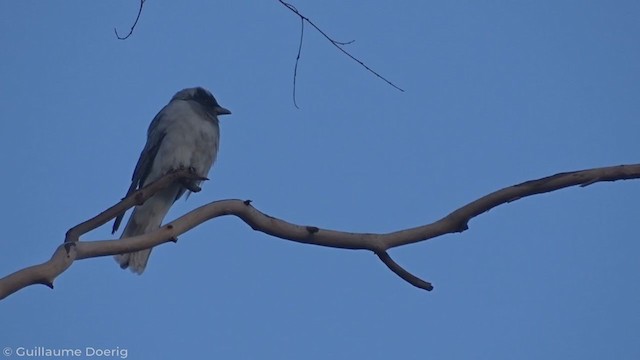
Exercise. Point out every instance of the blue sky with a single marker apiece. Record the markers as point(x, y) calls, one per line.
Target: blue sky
point(496, 93)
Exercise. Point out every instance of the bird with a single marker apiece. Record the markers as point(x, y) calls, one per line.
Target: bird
point(185, 134)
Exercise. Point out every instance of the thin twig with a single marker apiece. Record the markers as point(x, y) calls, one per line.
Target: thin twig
point(295, 69)
point(132, 26)
point(337, 44)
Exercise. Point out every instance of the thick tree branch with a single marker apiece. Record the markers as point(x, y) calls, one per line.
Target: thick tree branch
point(456, 221)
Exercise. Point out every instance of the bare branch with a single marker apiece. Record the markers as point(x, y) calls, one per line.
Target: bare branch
point(137, 198)
point(404, 274)
point(337, 44)
point(456, 221)
point(132, 26)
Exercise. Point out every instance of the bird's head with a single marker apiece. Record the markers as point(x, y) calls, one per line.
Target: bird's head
point(203, 97)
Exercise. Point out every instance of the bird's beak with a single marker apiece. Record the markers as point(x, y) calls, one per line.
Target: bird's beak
point(222, 111)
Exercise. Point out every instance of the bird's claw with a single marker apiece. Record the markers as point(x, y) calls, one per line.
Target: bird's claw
point(193, 172)
point(190, 185)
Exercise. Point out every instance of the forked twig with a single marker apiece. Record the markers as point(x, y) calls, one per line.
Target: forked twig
point(337, 44)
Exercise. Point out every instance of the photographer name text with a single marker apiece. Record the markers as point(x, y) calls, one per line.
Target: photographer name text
point(87, 351)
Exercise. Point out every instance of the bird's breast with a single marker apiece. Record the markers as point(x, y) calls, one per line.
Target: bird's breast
point(189, 142)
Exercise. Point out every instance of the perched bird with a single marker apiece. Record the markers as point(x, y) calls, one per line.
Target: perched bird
point(183, 135)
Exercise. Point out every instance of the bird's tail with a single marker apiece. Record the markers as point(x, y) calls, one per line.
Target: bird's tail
point(145, 218)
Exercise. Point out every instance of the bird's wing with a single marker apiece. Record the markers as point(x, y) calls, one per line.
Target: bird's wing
point(155, 135)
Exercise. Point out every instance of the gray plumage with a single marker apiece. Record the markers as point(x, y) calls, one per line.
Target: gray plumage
point(184, 134)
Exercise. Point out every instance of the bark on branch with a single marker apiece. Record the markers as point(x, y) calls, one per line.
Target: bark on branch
point(73, 249)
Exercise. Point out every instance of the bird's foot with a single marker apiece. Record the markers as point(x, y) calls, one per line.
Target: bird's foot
point(190, 185)
point(193, 173)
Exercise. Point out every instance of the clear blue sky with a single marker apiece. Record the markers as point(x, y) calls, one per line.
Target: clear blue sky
point(496, 93)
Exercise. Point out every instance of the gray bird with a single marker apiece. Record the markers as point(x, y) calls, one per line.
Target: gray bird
point(183, 135)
